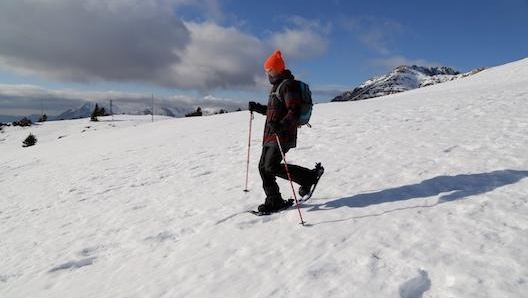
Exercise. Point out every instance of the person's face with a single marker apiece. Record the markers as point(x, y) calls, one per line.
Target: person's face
point(271, 73)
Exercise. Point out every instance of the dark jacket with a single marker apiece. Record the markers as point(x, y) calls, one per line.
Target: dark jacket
point(284, 109)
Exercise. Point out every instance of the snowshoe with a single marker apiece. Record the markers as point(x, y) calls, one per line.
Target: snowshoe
point(267, 209)
point(307, 191)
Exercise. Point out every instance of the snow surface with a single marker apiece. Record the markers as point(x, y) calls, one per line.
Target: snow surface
point(424, 195)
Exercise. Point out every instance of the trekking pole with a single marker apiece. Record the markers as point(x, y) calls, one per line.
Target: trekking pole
point(249, 146)
point(289, 178)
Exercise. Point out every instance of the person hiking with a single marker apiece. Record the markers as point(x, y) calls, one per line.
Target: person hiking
point(282, 114)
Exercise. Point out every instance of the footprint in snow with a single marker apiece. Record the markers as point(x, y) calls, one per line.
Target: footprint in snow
point(74, 264)
point(162, 237)
point(416, 287)
point(6, 278)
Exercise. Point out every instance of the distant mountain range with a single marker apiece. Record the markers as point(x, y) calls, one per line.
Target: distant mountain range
point(402, 78)
point(85, 111)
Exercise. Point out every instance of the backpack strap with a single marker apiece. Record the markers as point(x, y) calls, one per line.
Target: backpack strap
point(277, 91)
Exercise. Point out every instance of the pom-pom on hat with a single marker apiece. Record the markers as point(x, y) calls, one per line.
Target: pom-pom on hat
point(275, 62)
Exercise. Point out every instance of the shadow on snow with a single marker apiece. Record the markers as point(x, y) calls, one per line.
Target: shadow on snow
point(455, 188)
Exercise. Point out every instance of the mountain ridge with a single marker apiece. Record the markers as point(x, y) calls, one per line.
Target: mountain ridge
point(402, 78)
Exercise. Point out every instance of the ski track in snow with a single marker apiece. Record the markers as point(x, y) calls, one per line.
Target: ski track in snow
point(424, 195)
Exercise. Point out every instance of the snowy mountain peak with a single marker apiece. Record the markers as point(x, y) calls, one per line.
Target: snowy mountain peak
point(427, 70)
point(402, 78)
point(83, 111)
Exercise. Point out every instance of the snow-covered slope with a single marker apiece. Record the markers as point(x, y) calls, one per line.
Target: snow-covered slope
point(424, 195)
point(402, 78)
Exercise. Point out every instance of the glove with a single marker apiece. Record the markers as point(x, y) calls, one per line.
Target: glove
point(252, 106)
point(276, 127)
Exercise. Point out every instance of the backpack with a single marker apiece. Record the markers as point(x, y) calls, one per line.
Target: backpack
point(306, 102)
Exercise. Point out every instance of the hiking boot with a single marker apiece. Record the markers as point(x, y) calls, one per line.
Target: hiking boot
point(304, 190)
point(318, 172)
point(274, 205)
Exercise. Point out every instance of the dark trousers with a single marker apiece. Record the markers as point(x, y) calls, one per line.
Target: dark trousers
point(270, 167)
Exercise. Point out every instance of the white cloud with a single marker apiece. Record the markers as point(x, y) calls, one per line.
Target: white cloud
point(375, 33)
point(299, 44)
point(304, 40)
point(217, 56)
point(311, 24)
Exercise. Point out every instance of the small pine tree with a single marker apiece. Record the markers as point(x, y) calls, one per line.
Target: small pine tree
point(95, 113)
point(98, 112)
point(198, 113)
point(23, 122)
point(43, 118)
point(29, 141)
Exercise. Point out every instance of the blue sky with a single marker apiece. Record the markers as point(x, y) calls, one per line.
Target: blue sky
point(210, 52)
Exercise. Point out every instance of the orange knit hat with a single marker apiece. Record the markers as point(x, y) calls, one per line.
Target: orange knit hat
point(275, 62)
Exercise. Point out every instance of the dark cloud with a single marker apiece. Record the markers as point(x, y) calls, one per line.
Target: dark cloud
point(132, 41)
point(90, 40)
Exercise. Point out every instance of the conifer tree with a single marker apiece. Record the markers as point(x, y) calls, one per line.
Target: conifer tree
point(29, 141)
point(95, 113)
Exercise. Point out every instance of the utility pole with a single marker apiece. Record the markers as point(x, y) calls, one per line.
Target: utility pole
point(111, 113)
point(152, 107)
